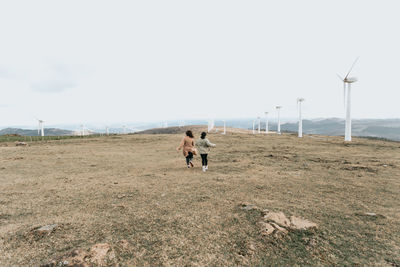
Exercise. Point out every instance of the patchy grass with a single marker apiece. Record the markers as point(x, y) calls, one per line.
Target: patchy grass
point(135, 190)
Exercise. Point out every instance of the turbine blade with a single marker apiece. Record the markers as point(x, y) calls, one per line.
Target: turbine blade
point(340, 77)
point(352, 66)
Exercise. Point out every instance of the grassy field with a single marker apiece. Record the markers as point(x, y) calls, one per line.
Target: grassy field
point(135, 194)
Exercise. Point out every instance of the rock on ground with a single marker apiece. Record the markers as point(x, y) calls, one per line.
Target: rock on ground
point(46, 229)
point(277, 223)
point(99, 254)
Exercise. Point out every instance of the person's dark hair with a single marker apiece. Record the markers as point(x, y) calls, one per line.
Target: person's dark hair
point(189, 133)
point(203, 135)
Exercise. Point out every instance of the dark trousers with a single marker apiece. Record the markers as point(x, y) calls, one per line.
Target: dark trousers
point(189, 158)
point(204, 160)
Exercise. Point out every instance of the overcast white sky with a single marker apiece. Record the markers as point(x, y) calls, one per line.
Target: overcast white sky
point(127, 61)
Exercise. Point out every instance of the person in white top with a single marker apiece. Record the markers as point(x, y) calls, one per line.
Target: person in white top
point(203, 146)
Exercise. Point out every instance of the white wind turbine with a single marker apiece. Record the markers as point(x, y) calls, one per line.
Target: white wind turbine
point(278, 108)
point(40, 127)
point(259, 124)
point(347, 81)
point(82, 130)
point(254, 126)
point(299, 101)
point(224, 127)
point(211, 125)
point(107, 132)
point(266, 122)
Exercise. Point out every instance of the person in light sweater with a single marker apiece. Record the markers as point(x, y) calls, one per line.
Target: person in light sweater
point(203, 146)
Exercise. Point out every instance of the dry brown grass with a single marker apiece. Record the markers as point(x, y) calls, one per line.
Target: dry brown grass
point(136, 188)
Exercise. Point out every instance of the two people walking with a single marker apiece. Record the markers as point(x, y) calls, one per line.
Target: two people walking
point(188, 146)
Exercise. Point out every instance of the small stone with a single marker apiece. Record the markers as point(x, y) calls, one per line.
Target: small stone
point(248, 207)
point(266, 228)
point(123, 243)
point(252, 247)
point(279, 229)
point(21, 144)
point(98, 253)
point(371, 215)
point(47, 229)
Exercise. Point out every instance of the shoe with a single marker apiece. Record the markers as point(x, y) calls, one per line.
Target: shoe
point(204, 168)
point(188, 166)
point(191, 164)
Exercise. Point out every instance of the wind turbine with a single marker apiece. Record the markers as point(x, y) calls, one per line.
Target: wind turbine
point(82, 130)
point(107, 133)
point(266, 122)
point(299, 101)
point(211, 125)
point(40, 127)
point(254, 122)
point(347, 81)
point(224, 127)
point(278, 108)
point(259, 124)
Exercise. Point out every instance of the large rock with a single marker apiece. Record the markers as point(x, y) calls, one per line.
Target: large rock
point(301, 224)
point(278, 224)
point(277, 217)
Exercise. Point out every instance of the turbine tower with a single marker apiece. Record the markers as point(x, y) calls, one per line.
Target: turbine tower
point(266, 122)
point(224, 127)
point(347, 81)
point(278, 108)
point(40, 127)
point(259, 124)
point(299, 101)
point(254, 122)
point(82, 130)
point(107, 133)
point(211, 125)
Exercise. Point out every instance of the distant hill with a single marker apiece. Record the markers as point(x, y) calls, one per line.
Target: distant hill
point(28, 132)
point(384, 128)
point(379, 128)
point(174, 130)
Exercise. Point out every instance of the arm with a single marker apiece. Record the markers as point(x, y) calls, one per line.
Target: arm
point(181, 144)
point(209, 144)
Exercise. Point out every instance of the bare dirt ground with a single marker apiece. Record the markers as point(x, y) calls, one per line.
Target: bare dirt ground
point(131, 200)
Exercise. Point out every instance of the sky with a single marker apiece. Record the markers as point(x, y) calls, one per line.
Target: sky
point(69, 62)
